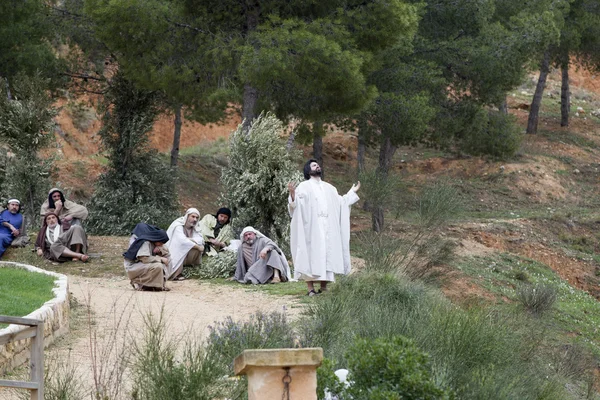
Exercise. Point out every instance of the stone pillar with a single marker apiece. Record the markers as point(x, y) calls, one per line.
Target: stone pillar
point(268, 370)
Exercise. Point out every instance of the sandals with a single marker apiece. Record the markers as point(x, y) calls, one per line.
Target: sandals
point(141, 288)
point(179, 278)
point(84, 258)
point(311, 293)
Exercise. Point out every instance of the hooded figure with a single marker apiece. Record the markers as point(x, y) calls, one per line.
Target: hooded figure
point(216, 231)
point(60, 242)
point(65, 209)
point(185, 243)
point(146, 260)
point(260, 260)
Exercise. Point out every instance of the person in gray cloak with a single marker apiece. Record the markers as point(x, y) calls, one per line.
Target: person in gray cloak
point(260, 260)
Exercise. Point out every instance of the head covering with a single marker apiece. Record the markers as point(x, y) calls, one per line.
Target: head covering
point(226, 211)
point(145, 233)
point(51, 201)
point(307, 168)
point(250, 229)
point(182, 220)
point(13, 201)
point(39, 240)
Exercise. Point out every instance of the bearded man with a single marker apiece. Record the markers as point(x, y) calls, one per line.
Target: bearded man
point(320, 228)
point(11, 222)
point(185, 243)
point(147, 259)
point(66, 210)
point(60, 242)
point(260, 260)
point(216, 231)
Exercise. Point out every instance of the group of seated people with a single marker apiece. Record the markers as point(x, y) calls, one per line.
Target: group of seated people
point(154, 255)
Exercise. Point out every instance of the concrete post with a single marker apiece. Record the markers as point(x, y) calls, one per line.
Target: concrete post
point(273, 373)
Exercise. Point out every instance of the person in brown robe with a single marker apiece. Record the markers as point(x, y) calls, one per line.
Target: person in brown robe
point(60, 242)
point(146, 260)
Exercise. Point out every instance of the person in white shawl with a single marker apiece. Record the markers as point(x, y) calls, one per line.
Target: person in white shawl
point(260, 260)
point(320, 228)
point(185, 243)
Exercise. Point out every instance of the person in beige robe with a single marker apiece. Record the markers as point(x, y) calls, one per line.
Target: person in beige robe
point(66, 210)
point(147, 259)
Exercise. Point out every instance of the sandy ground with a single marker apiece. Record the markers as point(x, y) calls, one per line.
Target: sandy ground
point(118, 314)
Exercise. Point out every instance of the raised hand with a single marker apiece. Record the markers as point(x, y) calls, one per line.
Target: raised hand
point(356, 186)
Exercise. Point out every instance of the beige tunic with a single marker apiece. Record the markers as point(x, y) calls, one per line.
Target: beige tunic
point(147, 269)
point(66, 240)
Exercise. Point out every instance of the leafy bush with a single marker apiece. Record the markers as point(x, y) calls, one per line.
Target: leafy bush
point(255, 182)
point(139, 185)
point(81, 115)
point(220, 266)
point(389, 369)
point(536, 298)
point(26, 124)
point(500, 137)
point(475, 354)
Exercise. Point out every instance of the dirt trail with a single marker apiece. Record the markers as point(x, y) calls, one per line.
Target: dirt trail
point(118, 317)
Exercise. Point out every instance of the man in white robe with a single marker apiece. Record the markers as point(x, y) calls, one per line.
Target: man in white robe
point(320, 228)
point(185, 243)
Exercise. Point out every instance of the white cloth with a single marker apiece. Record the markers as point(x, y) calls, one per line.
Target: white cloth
point(53, 234)
point(320, 230)
point(179, 244)
point(250, 229)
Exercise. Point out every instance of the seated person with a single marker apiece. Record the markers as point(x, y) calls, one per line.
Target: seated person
point(66, 210)
point(57, 241)
point(185, 243)
point(11, 222)
point(146, 260)
point(216, 231)
point(260, 260)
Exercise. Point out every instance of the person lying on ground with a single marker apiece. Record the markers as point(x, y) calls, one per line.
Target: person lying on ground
point(216, 231)
point(185, 243)
point(11, 222)
point(60, 242)
point(260, 260)
point(147, 259)
point(66, 210)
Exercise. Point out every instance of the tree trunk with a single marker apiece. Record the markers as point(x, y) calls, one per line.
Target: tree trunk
point(362, 148)
point(8, 94)
point(176, 136)
point(250, 96)
point(503, 107)
point(534, 112)
point(565, 93)
point(318, 143)
point(386, 154)
point(249, 100)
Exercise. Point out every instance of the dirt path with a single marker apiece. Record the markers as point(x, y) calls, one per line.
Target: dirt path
point(118, 318)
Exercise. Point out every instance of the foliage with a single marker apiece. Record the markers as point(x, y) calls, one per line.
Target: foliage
point(161, 373)
point(475, 354)
point(139, 185)
point(61, 380)
point(536, 298)
point(255, 181)
point(499, 137)
point(220, 266)
point(389, 369)
point(81, 115)
point(26, 127)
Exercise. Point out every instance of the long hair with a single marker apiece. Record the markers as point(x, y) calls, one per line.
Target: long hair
point(51, 201)
point(307, 168)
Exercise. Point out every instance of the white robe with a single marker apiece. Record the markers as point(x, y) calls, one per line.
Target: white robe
point(179, 244)
point(320, 231)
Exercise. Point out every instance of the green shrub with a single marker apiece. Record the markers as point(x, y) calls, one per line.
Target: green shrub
point(139, 185)
point(500, 137)
point(536, 298)
point(389, 369)
point(81, 115)
point(255, 184)
point(220, 266)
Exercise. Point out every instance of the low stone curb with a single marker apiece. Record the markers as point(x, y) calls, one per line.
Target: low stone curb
point(54, 313)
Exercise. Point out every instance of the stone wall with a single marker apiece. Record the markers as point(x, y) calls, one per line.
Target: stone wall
point(54, 313)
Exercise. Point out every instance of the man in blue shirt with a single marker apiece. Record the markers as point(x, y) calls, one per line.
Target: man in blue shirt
point(11, 222)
